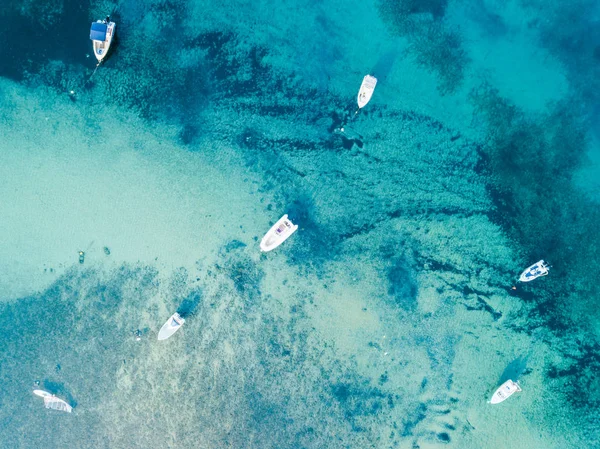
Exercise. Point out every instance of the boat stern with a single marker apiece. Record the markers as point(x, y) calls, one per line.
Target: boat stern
point(98, 31)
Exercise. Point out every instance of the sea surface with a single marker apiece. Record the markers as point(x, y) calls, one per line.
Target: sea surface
point(391, 316)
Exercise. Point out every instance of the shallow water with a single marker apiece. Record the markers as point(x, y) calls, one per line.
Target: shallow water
point(388, 319)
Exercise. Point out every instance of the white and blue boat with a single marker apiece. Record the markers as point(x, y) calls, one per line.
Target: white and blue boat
point(101, 34)
point(535, 271)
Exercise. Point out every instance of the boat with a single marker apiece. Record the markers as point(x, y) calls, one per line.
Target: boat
point(51, 401)
point(101, 34)
point(171, 326)
point(278, 234)
point(366, 90)
point(535, 271)
point(506, 390)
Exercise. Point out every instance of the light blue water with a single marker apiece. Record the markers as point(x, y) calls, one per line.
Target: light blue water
point(389, 318)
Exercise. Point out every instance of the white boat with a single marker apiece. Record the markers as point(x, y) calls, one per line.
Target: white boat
point(51, 401)
point(101, 34)
point(171, 326)
point(366, 90)
point(506, 390)
point(535, 271)
point(278, 234)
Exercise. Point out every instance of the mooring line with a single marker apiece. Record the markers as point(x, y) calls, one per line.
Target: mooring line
point(93, 73)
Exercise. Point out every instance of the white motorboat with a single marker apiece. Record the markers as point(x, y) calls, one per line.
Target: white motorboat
point(51, 401)
point(278, 234)
point(101, 34)
point(366, 90)
point(171, 326)
point(506, 390)
point(535, 271)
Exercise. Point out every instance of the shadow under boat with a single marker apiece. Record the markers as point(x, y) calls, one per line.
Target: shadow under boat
point(175, 321)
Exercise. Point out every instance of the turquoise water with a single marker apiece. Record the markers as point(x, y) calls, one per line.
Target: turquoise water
point(389, 318)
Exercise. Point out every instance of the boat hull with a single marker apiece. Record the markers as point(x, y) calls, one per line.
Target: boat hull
point(52, 402)
point(535, 271)
point(366, 90)
point(506, 390)
point(172, 325)
point(101, 48)
point(279, 233)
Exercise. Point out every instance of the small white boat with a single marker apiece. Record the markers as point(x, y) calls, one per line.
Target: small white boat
point(506, 390)
point(51, 401)
point(535, 271)
point(101, 34)
point(278, 234)
point(171, 326)
point(366, 90)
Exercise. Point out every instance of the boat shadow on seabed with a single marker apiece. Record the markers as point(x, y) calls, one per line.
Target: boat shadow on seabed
point(515, 369)
point(189, 305)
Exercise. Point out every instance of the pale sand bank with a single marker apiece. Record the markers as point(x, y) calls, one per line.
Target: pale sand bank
point(69, 187)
